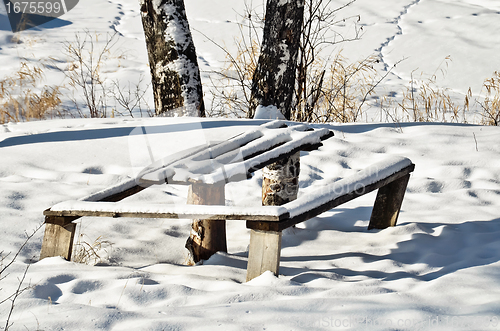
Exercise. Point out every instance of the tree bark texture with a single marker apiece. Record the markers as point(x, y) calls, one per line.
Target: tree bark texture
point(207, 237)
point(173, 63)
point(280, 181)
point(274, 78)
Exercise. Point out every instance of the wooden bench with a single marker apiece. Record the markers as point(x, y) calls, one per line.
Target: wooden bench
point(235, 160)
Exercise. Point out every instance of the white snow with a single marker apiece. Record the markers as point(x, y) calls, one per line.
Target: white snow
point(268, 112)
point(231, 160)
point(367, 176)
point(440, 261)
point(184, 211)
point(438, 269)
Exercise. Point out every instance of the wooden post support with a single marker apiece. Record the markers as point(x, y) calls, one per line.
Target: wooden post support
point(207, 237)
point(280, 181)
point(280, 184)
point(388, 203)
point(264, 253)
point(58, 237)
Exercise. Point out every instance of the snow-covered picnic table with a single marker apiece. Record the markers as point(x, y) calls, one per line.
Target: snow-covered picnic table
point(234, 160)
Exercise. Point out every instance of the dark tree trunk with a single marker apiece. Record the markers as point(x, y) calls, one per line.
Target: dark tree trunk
point(274, 85)
point(172, 58)
point(274, 78)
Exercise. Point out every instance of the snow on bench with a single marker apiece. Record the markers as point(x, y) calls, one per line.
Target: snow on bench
point(234, 160)
point(302, 205)
point(144, 210)
point(229, 161)
point(390, 177)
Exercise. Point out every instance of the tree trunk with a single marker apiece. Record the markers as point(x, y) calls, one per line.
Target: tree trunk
point(280, 182)
point(274, 85)
point(207, 237)
point(172, 58)
point(274, 78)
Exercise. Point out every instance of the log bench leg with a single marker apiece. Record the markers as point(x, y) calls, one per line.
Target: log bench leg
point(58, 237)
point(388, 203)
point(207, 237)
point(264, 253)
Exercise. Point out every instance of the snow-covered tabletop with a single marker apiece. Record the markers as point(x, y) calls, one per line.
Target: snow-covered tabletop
point(235, 158)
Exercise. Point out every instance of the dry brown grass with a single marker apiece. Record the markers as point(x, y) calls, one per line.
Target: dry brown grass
point(89, 251)
point(22, 100)
point(425, 101)
point(491, 104)
point(231, 90)
point(338, 93)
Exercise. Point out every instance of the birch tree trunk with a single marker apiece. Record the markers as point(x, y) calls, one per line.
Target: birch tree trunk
point(274, 84)
point(274, 78)
point(280, 182)
point(172, 58)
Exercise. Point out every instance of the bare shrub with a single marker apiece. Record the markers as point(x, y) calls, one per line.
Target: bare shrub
point(131, 97)
point(85, 71)
point(338, 93)
point(231, 90)
point(87, 55)
point(4, 273)
point(89, 251)
point(321, 69)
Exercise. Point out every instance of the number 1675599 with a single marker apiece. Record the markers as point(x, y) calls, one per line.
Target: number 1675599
point(35, 7)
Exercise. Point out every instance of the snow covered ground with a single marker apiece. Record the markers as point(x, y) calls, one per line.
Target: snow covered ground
point(438, 269)
point(441, 263)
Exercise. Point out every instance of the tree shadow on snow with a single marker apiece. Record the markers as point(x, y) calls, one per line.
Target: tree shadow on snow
point(442, 248)
point(341, 219)
point(92, 134)
point(365, 127)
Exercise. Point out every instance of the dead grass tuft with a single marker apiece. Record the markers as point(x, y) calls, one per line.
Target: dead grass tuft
point(90, 252)
point(22, 100)
point(491, 104)
point(425, 101)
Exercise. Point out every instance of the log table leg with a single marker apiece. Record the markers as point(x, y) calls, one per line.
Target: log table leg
point(388, 204)
point(280, 184)
point(207, 237)
point(264, 253)
point(58, 237)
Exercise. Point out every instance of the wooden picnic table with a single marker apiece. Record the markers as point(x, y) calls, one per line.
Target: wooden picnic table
point(207, 168)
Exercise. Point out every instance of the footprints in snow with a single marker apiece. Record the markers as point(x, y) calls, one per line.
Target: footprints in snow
point(15, 200)
point(49, 288)
point(54, 288)
point(446, 248)
point(123, 15)
point(397, 21)
point(93, 171)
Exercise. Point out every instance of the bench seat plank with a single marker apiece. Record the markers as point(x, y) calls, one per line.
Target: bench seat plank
point(330, 196)
point(266, 218)
point(357, 182)
point(142, 210)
